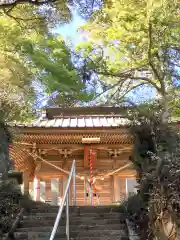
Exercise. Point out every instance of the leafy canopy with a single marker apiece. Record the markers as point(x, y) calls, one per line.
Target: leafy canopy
point(133, 44)
point(55, 70)
point(33, 58)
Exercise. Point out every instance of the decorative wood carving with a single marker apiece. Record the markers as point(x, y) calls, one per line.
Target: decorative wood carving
point(65, 152)
point(38, 166)
point(33, 151)
point(76, 138)
point(114, 152)
point(42, 152)
point(62, 152)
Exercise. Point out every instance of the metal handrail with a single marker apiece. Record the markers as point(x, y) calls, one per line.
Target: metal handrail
point(91, 194)
point(66, 199)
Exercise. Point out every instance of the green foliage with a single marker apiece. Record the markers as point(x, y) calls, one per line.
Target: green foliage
point(52, 58)
point(17, 93)
point(156, 159)
point(55, 71)
point(31, 56)
point(133, 44)
point(11, 202)
point(50, 13)
point(135, 210)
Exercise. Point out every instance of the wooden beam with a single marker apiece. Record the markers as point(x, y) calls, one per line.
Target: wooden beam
point(127, 176)
point(126, 147)
point(91, 140)
point(59, 146)
point(48, 175)
point(56, 159)
point(95, 159)
point(86, 157)
point(55, 130)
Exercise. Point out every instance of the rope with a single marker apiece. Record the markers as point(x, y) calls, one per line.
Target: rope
point(78, 176)
point(115, 171)
point(67, 172)
point(51, 164)
point(94, 191)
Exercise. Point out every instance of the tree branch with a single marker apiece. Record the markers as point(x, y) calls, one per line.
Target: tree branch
point(5, 4)
point(129, 76)
point(151, 64)
point(19, 18)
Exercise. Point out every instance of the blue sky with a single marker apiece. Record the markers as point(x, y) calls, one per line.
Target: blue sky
point(70, 30)
point(70, 33)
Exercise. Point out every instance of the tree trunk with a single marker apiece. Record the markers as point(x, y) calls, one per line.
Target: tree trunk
point(4, 152)
point(165, 113)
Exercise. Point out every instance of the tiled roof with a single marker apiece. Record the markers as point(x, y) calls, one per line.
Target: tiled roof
point(80, 122)
point(79, 117)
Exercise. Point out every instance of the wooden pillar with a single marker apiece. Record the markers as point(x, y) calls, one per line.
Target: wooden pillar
point(127, 190)
point(86, 157)
point(65, 178)
point(122, 185)
point(36, 189)
point(48, 190)
point(116, 189)
point(26, 183)
point(54, 191)
point(112, 188)
point(71, 194)
point(42, 191)
point(36, 182)
point(60, 190)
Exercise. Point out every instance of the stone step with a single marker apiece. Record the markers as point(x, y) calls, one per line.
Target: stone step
point(75, 228)
point(75, 221)
point(90, 215)
point(83, 219)
point(74, 234)
point(76, 209)
point(86, 223)
point(77, 238)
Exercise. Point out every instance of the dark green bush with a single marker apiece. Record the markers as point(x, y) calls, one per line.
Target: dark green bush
point(11, 201)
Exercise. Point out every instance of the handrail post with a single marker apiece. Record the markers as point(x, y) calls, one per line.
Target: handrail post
point(67, 216)
point(65, 199)
point(90, 193)
point(74, 185)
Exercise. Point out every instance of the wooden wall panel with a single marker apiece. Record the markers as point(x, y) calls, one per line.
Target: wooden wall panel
point(79, 163)
point(108, 189)
point(122, 186)
point(48, 190)
point(105, 192)
point(104, 188)
point(119, 188)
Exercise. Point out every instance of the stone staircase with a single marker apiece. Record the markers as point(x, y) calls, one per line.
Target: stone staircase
point(86, 223)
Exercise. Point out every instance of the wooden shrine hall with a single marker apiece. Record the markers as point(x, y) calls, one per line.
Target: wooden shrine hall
point(97, 138)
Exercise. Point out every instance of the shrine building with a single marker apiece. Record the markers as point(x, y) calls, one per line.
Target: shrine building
point(97, 138)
